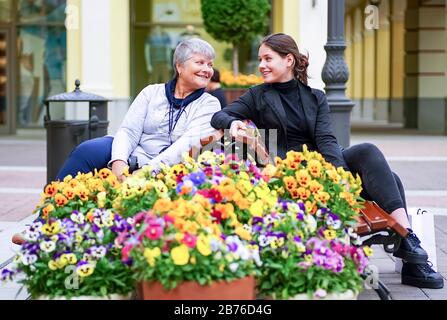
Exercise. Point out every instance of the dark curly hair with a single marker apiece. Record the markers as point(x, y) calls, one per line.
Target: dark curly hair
point(284, 44)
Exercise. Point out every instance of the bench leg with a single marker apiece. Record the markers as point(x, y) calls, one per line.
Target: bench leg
point(383, 292)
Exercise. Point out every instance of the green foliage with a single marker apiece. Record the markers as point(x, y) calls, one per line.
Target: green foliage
point(235, 21)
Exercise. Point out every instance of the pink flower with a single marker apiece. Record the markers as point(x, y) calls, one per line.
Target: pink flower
point(320, 293)
point(169, 219)
point(190, 240)
point(139, 217)
point(154, 232)
point(125, 251)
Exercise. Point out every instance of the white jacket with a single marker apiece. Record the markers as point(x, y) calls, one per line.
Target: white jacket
point(144, 131)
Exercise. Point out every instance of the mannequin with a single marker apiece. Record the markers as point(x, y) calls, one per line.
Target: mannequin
point(157, 54)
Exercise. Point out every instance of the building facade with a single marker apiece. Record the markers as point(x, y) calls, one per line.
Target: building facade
point(397, 56)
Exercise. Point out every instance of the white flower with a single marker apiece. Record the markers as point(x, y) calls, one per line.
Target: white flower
point(256, 257)
point(77, 217)
point(218, 255)
point(269, 219)
point(28, 259)
point(263, 240)
point(311, 223)
point(37, 225)
point(30, 235)
point(243, 252)
point(320, 293)
point(233, 266)
point(215, 244)
point(334, 223)
point(247, 227)
point(48, 246)
point(98, 252)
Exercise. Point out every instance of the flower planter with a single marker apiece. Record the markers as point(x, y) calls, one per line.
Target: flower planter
point(232, 94)
point(241, 289)
point(109, 297)
point(347, 295)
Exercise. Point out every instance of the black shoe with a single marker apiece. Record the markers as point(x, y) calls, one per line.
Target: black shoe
point(410, 249)
point(421, 276)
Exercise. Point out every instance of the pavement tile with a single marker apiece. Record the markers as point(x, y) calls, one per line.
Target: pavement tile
point(15, 207)
point(437, 293)
point(385, 265)
point(35, 180)
point(403, 292)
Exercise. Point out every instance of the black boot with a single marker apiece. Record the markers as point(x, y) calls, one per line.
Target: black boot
point(410, 249)
point(421, 276)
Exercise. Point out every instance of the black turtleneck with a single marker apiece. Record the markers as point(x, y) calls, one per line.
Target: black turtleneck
point(297, 128)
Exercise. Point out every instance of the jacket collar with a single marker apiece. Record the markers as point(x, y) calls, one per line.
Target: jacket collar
point(308, 101)
point(176, 103)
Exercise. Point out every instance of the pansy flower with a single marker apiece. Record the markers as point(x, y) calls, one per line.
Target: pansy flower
point(48, 246)
point(85, 269)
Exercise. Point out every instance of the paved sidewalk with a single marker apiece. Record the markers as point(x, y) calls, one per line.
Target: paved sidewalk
point(419, 160)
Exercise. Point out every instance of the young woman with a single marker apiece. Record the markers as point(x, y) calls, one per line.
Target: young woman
point(300, 115)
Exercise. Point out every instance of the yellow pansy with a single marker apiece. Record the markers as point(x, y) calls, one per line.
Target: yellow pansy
point(101, 199)
point(51, 228)
point(243, 233)
point(203, 245)
point(52, 265)
point(368, 251)
point(151, 255)
point(244, 186)
point(256, 209)
point(330, 234)
point(68, 258)
point(303, 178)
point(180, 255)
point(85, 270)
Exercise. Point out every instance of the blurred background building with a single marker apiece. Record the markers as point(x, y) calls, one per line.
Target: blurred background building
point(396, 53)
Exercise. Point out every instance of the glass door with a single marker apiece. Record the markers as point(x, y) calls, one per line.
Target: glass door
point(5, 87)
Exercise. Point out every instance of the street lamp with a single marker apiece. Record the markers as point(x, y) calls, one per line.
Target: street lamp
point(335, 72)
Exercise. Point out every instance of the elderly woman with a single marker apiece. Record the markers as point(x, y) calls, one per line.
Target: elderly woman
point(163, 122)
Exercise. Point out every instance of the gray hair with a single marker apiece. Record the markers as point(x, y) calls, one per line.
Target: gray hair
point(187, 48)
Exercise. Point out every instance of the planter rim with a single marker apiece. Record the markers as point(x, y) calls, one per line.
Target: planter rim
point(113, 296)
point(345, 295)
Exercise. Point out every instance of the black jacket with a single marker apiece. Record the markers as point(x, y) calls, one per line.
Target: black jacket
point(262, 104)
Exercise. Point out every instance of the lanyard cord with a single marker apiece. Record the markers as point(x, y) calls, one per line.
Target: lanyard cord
point(172, 121)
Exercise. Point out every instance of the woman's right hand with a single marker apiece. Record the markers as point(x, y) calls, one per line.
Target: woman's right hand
point(238, 129)
point(118, 167)
point(241, 132)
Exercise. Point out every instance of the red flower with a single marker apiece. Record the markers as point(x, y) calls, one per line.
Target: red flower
point(179, 178)
point(208, 171)
point(217, 214)
point(215, 195)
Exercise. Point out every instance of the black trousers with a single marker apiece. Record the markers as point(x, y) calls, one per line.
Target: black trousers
point(379, 183)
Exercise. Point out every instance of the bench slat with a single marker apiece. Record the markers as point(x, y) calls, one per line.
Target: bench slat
point(362, 226)
point(378, 219)
point(375, 219)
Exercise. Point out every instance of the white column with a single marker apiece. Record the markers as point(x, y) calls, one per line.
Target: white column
point(313, 37)
point(95, 46)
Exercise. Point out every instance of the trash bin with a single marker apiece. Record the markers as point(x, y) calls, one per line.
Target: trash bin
point(64, 135)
